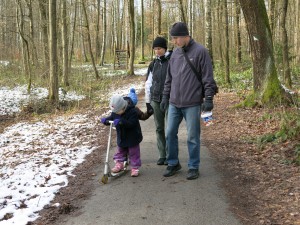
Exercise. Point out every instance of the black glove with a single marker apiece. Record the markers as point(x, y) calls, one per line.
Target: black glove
point(149, 109)
point(208, 104)
point(164, 103)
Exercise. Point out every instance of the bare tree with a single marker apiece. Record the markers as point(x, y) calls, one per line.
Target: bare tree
point(25, 44)
point(73, 34)
point(238, 32)
point(272, 14)
point(97, 52)
point(226, 42)
point(32, 33)
point(297, 32)
point(89, 39)
point(53, 89)
point(208, 30)
point(104, 30)
point(65, 44)
point(266, 85)
point(191, 15)
point(142, 31)
point(158, 21)
point(183, 17)
point(132, 37)
point(44, 33)
point(285, 43)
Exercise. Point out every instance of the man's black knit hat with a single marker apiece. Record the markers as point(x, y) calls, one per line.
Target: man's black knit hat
point(179, 29)
point(160, 42)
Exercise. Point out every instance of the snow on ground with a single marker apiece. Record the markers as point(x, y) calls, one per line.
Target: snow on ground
point(11, 100)
point(37, 157)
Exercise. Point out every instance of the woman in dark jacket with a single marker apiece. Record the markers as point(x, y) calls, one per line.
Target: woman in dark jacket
point(154, 87)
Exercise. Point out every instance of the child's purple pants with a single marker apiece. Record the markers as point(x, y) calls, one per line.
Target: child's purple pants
point(133, 153)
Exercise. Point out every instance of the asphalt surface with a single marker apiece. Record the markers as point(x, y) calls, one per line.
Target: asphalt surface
point(154, 199)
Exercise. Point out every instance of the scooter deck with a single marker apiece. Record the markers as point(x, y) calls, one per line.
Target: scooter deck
point(124, 170)
point(119, 173)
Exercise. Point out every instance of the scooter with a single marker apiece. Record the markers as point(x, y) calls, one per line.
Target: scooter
point(107, 170)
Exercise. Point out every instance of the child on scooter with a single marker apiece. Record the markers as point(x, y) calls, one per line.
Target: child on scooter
point(129, 134)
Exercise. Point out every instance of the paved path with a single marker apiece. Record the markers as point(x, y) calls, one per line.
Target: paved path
point(153, 199)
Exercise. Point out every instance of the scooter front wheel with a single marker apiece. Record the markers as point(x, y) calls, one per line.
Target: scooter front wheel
point(104, 179)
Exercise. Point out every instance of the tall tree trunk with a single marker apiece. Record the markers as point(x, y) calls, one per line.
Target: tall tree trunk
point(266, 86)
point(103, 34)
point(132, 37)
point(32, 33)
point(285, 43)
point(158, 13)
point(25, 45)
point(65, 44)
point(272, 14)
point(142, 31)
point(73, 34)
point(183, 17)
point(89, 39)
point(191, 17)
point(238, 32)
point(44, 26)
point(297, 33)
point(208, 28)
point(98, 48)
point(226, 40)
point(219, 31)
point(53, 90)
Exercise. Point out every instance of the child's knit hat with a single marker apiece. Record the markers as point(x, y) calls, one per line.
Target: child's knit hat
point(133, 96)
point(117, 103)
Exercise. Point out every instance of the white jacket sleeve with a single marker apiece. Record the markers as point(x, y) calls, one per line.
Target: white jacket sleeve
point(148, 85)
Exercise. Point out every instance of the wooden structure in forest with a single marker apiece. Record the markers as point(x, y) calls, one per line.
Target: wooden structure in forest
point(121, 58)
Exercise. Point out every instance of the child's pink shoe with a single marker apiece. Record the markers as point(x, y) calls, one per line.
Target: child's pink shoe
point(134, 172)
point(118, 167)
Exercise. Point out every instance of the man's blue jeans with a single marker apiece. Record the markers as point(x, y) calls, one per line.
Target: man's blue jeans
point(192, 119)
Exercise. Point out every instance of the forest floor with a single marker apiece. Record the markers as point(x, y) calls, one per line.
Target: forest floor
point(262, 184)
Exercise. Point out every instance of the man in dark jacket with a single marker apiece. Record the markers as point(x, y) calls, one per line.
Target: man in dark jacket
point(183, 96)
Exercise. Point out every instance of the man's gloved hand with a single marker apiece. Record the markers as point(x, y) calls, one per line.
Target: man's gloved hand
point(116, 122)
point(149, 108)
point(208, 104)
point(103, 120)
point(164, 103)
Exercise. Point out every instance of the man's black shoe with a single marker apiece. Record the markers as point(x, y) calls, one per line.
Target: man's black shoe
point(165, 162)
point(161, 161)
point(171, 170)
point(192, 174)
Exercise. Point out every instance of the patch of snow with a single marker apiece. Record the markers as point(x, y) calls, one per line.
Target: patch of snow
point(36, 160)
point(4, 63)
point(287, 90)
point(12, 99)
point(141, 72)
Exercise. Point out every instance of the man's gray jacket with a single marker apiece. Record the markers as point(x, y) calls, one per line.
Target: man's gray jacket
point(182, 86)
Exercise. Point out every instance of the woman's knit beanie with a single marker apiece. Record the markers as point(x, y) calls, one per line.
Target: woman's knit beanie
point(160, 42)
point(179, 29)
point(117, 103)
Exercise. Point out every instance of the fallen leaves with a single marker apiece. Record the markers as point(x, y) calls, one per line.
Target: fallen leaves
point(263, 185)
